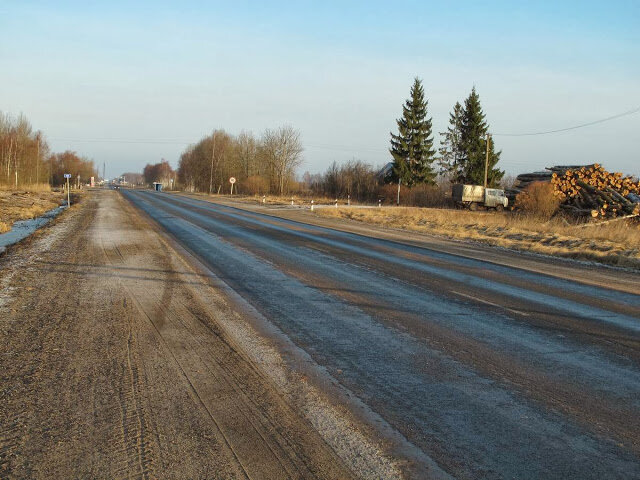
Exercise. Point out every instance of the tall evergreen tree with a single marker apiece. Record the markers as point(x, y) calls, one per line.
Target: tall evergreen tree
point(451, 151)
point(412, 147)
point(473, 142)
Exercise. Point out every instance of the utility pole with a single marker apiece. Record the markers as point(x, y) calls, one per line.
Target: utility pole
point(213, 156)
point(486, 161)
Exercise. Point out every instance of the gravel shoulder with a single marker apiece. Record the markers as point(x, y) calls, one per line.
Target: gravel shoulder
point(117, 362)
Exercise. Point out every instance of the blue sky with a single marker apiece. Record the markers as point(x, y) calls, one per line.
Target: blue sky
point(157, 75)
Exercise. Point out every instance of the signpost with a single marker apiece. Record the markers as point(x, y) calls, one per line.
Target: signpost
point(68, 176)
point(232, 180)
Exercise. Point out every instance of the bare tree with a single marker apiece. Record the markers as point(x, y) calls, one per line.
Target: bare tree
point(282, 151)
point(247, 153)
point(23, 152)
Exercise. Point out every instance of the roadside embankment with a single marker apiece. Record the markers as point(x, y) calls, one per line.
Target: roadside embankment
point(616, 243)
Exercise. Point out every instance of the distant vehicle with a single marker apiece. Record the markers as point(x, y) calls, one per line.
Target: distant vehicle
point(475, 196)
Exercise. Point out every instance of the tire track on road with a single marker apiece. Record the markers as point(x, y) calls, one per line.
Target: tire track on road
point(214, 385)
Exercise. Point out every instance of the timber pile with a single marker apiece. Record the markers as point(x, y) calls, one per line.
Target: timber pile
point(525, 179)
point(592, 191)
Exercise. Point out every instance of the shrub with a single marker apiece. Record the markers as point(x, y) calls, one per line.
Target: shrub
point(255, 185)
point(538, 200)
point(418, 196)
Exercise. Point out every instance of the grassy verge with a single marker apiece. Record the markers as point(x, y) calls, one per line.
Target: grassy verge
point(25, 203)
point(616, 243)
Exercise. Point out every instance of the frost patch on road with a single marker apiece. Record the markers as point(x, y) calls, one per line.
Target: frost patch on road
point(361, 456)
point(103, 234)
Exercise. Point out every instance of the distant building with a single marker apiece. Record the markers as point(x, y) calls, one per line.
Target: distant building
point(386, 173)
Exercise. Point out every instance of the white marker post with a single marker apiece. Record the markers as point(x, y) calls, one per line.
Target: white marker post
point(312, 205)
point(232, 180)
point(68, 176)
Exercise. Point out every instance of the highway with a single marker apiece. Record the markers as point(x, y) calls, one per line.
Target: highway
point(490, 371)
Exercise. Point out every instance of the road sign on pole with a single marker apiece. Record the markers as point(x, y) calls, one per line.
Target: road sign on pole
point(232, 180)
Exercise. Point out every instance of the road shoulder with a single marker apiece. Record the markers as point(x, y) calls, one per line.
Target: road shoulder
point(116, 365)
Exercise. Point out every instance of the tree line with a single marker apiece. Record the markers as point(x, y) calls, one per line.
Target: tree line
point(26, 158)
point(416, 163)
point(159, 172)
point(265, 164)
point(354, 179)
point(463, 149)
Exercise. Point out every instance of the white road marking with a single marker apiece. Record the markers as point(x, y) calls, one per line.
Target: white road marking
point(519, 312)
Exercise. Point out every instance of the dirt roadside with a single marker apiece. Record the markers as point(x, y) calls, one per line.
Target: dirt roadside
point(115, 365)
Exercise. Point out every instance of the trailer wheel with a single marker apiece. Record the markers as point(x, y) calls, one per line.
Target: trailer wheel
point(473, 206)
point(499, 208)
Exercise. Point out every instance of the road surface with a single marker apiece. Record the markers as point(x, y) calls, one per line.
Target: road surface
point(487, 370)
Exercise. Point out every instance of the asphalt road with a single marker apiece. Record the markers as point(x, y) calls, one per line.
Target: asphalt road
point(491, 371)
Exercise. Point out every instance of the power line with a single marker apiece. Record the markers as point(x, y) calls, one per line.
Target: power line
point(602, 120)
point(338, 147)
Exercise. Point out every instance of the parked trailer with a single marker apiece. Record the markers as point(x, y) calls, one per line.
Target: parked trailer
point(474, 196)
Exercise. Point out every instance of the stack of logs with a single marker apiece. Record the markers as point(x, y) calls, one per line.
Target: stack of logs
point(525, 179)
point(591, 190)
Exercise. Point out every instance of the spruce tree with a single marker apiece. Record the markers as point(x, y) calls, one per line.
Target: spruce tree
point(473, 143)
point(451, 152)
point(412, 147)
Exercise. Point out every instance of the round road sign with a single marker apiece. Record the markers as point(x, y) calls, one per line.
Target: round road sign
point(232, 180)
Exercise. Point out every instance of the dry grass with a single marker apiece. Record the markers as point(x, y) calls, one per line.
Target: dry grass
point(538, 200)
point(32, 188)
point(25, 204)
point(616, 243)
